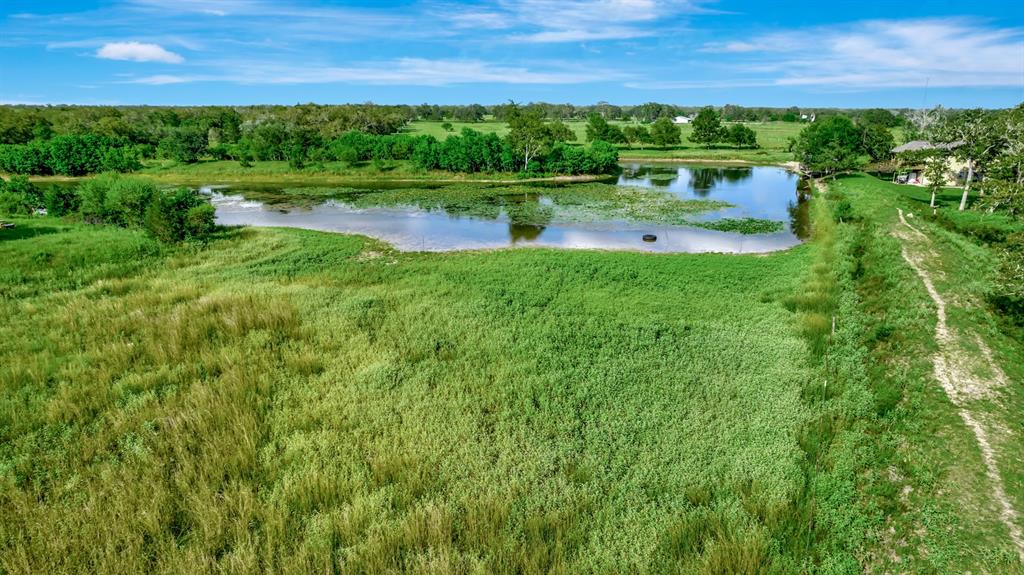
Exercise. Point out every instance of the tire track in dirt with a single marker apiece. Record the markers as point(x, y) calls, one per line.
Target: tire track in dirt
point(960, 384)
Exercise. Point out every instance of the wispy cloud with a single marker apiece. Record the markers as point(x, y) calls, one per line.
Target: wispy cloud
point(554, 21)
point(138, 52)
point(403, 71)
point(946, 52)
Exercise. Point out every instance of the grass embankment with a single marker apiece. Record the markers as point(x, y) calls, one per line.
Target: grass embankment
point(326, 173)
point(773, 138)
point(292, 401)
point(930, 480)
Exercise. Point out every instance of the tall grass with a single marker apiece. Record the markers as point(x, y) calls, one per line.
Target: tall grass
point(289, 401)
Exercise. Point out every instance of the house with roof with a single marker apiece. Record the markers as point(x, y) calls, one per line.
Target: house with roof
point(682, 120)
point(912, 157)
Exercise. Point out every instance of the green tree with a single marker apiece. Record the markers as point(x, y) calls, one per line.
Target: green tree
point(76, 155)
point(185, 145)
point(528, 135)
point(598, 128)
point(879, 117)
point(877, 141)
point(664, 133)
point(301, 143)
point(741, 136)
point(561, 133)
point(829, 146)
point(977, 136)
point(637, 135)
point(707, 128)
point(936, 171)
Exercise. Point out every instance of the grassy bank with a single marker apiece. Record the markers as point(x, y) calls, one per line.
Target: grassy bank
point(227, 171)
point(929, 482)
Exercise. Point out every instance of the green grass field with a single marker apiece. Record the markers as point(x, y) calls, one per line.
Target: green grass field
point(294, 401)
point(772, 136)
point(291, 401)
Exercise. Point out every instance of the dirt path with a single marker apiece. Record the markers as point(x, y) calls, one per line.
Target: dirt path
point(953, 371)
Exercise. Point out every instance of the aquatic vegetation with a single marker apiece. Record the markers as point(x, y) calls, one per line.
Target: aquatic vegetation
point(527, 204)
point(742, 225)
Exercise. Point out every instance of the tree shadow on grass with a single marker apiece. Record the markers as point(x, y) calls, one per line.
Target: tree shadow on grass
point(21, 232)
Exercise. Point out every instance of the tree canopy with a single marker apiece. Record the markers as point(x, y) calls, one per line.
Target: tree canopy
point(707, 128)
point(829, 146)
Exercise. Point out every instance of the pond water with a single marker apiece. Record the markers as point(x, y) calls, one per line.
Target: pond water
point(756, 192)
point(498, 222)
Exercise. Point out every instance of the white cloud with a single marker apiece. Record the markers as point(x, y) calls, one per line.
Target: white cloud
point(941, 52)
point(138, 52)
point(403, 71)
point(160, 80)
point(552, 21)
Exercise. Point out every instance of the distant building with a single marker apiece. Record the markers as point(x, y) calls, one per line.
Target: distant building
point(682, 120)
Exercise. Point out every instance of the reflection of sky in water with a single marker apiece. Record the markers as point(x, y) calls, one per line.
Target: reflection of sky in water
point(431, 231)
point(757, 192)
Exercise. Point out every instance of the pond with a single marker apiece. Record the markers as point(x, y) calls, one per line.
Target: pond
point(667, 202)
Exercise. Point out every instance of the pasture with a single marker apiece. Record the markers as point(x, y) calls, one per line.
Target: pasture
point(773, 138)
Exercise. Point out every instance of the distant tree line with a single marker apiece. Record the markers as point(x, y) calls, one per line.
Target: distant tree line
point(118, 140)
point(77, 140)
point(532, 145)
point(663, 132)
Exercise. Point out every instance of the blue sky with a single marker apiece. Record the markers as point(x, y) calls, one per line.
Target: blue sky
point(690, 52)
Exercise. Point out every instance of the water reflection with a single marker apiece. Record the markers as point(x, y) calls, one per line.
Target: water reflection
point(524, 233)
point(537, 218)
point(757, 192)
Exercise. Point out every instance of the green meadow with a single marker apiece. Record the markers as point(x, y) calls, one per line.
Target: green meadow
point(276, 400)
point(773, 138)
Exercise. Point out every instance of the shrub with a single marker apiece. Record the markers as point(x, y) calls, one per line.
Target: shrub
point(176, 215)
point(219, 152)
point(19, 196)
point(126, 201)
point(604, 158)
point(120, 160)
point(92, 194)
point(200, 221)
point(426, 153)
point(1008, 295)
point(61, 200)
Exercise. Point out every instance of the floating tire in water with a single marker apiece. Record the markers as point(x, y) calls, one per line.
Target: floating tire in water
point(650, 238)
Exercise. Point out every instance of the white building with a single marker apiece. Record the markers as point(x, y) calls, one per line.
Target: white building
point(682, 120)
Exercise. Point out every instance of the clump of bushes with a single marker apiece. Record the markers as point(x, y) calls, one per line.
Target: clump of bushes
point(171, 215)
point(18, 196)
point(71, 155)
point(1008, 294)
